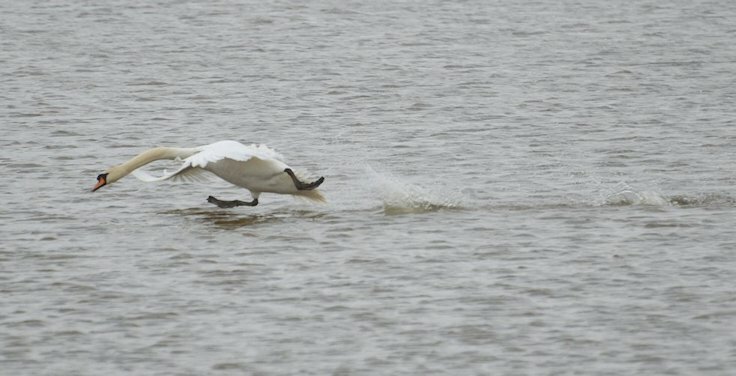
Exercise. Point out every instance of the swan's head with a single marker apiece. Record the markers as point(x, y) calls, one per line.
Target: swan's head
point(101, 181)
point(108, 177)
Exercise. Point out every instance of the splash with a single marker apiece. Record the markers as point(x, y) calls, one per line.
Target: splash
point(625, 195)
point(709, 200)
point(401, 197)
point(634, 198)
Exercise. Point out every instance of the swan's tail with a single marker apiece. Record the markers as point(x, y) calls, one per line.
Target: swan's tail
point(314, 195)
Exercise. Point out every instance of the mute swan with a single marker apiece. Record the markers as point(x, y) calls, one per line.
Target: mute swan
point(256, 168)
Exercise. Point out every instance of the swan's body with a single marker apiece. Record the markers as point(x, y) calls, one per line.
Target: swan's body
point(256, 168)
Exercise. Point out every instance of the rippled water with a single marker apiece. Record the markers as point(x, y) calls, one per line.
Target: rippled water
point(536, 187)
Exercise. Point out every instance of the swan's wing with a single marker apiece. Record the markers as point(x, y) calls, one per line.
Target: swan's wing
point(232, 150)
point(261, 160)
point(186, 173)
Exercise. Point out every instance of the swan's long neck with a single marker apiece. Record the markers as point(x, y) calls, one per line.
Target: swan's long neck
point(148, 156)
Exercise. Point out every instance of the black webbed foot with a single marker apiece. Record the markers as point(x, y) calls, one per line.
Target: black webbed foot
point(302, 186)
point(231, 204)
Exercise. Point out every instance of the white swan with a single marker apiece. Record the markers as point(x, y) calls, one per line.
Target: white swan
point(256, 168)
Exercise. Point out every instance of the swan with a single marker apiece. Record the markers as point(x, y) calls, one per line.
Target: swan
point(256, 168)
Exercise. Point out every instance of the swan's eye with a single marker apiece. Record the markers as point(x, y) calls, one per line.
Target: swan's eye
point(102, 176)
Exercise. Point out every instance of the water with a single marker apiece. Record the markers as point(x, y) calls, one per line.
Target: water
point(514, 188)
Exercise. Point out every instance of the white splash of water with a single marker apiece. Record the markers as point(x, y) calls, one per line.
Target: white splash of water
point(401, 197)
point(624, 195)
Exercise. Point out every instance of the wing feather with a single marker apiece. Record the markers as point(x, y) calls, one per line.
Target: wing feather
point(185, 173)
point(261, 159)
point(232, 150)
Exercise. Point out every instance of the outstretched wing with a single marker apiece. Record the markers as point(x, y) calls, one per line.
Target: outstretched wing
point(232, 150)
point(185, 173)
point(194, 168)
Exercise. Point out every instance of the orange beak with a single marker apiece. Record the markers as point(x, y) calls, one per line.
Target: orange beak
point(100, 182)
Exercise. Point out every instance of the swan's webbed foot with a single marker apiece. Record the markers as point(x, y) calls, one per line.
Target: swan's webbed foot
point(302, 186)
point(231, 204)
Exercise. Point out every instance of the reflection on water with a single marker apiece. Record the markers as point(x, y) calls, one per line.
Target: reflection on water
point(222, 218)
point(231, 219)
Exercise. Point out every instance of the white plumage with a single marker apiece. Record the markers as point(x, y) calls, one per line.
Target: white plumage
point(256, 168)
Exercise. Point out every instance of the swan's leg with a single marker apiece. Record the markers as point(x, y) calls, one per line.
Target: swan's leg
point(302, 186)
point(231, 204)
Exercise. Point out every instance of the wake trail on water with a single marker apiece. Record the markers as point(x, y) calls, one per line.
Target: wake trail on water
point(602, 191)
point(402, 195)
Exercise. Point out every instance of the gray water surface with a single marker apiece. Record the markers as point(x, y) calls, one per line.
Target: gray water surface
point(534, 187)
